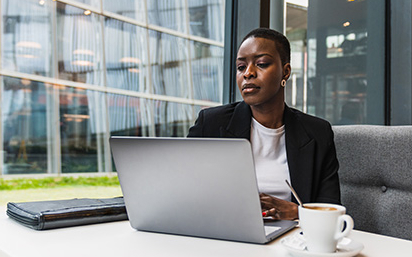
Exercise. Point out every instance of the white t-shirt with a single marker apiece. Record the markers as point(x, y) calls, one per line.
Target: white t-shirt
point(269, 153)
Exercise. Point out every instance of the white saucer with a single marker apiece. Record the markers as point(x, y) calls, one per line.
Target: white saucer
point(296, 246)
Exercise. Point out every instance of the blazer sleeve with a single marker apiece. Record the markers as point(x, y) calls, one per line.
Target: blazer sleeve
point(197, 129)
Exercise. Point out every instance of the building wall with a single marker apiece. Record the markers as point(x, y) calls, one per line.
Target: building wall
point(73, 73)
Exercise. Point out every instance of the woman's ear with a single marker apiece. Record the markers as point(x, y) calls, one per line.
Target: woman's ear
point(287, 69)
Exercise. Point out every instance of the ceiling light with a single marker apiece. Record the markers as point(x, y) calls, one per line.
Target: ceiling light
point(25, 82)
point(346, 24)
point(87, 12)
point(28, 44)
point(27, 56)
point(82, 63)
point(134, 70)
point(76, 116)
point(83, 51)
point(130, 60)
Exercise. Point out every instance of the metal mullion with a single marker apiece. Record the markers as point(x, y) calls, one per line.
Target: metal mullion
point(152, 131)
point(189, 64)
point(1, 61)
point(189, 54)
point(1, 98)
point(53, 105)
point(1, 127)
point(81, 6)
point(387, 65)
point(107, 154)
point(162, 29)
point(79, 85)
point(206, 40)
point(124, 18)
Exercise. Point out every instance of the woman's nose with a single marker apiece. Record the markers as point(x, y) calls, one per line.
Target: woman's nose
point(250, 72)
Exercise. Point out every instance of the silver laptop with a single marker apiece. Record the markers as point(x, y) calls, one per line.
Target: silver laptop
point(194, 187)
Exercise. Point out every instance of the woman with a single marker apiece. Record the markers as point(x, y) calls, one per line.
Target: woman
point(286, 143)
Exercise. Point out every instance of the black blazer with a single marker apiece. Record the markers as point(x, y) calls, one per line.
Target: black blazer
point(310, 148)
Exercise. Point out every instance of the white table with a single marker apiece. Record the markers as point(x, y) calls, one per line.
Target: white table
point(119, 239)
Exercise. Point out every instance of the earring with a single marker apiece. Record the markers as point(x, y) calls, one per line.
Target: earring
point(283, 83)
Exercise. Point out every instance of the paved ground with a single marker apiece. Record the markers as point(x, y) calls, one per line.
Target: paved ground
point(58, 193)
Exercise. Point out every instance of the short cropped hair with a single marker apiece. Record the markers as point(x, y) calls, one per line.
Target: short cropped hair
point(282, 43)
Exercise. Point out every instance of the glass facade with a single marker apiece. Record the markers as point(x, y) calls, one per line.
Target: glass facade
point(296, 31)
point(346, 56)
point(73, 73)
point(338, 60)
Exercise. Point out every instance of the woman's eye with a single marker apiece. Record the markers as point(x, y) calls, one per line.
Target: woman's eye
point(262, 65)
point(241, 67)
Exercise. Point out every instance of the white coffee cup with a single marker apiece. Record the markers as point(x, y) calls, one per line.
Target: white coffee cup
point(323, 227)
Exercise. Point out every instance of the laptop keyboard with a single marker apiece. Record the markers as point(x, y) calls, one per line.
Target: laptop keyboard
point(271, 229)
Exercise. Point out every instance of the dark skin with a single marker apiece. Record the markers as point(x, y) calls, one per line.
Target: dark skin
point(259, 76)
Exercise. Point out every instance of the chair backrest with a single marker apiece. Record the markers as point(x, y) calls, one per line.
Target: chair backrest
point(376, 177)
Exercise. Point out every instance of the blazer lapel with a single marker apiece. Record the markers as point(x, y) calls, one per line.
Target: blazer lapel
point(239, 125)
point(300, 148)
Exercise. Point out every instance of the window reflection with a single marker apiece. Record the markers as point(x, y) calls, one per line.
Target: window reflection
point(126, 61)
point(167, 14)
point(346, 45)
point(23, 108)
point(207, 70)
point(79, 129)
point(204, 15)
point(129, 116)
point(94, 3)
point(345, 66)
point(169, 62)
point(296, 28)
point(53, 128)
point(134, 9)
point(172, 119)
point(25, 41)
point(78, 45)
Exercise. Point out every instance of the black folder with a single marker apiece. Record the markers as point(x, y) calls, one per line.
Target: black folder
point(43, 215)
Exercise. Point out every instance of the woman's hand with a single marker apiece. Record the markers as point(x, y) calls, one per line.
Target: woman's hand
point(277, 208)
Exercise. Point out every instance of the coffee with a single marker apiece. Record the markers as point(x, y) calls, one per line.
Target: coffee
point(320, 208)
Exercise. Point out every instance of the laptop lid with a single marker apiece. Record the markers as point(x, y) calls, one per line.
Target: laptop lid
point(192, 186)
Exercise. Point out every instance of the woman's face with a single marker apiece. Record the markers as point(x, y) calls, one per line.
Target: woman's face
point(260, 72)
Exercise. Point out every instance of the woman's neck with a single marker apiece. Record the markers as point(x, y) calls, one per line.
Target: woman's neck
point(270, 118)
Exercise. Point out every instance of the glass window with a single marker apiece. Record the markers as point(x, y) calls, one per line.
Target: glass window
point(78, 45)
point(296, 27)
point(205, 17)
point(94, 3)
point(26, 39)
point(129, 116)
point(346, 57)
point(126, 63)
point(169, 63)
point(172, 119)
point(207, 71)
point(167, 14)
point(81, 124)
point(134, 52)
point(134, 9)
point(23, 106)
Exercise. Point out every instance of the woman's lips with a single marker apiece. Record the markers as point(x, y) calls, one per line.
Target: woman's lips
point(249, 88)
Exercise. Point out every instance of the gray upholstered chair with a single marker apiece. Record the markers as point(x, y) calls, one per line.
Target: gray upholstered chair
point(376, 177)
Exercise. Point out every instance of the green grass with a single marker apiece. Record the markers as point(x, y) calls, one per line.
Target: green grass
point(58, 193)
point(53, 182)
point(57, 188)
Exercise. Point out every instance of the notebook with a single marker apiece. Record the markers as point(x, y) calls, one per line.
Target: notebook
point(194, 187)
